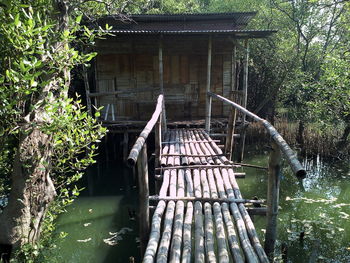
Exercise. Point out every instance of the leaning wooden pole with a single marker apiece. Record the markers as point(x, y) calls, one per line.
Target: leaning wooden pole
point(161, 81)
point(272, 200)
point(290, 155)
point(144, 223)
point(87, 90)
point(208, 98)
point(245, 100)
point(232, 115)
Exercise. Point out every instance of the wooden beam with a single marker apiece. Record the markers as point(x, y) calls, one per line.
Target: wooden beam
point(142, 166)
point(87, 90)
point(161, 81)
point(245, 99)
point(272, 199)
point(232, 116)
point(208, 98)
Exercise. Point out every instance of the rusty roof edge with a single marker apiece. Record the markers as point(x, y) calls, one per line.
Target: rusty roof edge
point(178, 17)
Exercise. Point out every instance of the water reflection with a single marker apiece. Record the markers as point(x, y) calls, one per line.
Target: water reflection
point(314, 219)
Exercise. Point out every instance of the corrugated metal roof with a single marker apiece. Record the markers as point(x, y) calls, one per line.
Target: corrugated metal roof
point(179, 22)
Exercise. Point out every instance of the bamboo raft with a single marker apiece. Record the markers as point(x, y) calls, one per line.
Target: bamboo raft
point(200, 215)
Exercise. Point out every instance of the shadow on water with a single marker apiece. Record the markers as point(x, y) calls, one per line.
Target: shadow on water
point(101, 225)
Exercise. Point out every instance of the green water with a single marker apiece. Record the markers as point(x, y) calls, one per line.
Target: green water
point(319, 207)
point(100, 226)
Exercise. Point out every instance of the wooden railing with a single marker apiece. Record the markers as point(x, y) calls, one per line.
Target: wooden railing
point(138, 155)
point(278, 145)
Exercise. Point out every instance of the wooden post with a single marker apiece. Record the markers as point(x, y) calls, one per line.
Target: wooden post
point(272, 199)
point(125, 146)
point(158, 148)
point(87, 90)
point(208, 98)
point(142, 169)
point(245, 99)
point(161, 81)
point(233, 112)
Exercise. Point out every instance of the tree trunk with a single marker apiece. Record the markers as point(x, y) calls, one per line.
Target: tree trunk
point(32, 190)
point(343, 140)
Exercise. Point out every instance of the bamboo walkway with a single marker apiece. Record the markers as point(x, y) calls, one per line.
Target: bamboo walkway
point(200, 215)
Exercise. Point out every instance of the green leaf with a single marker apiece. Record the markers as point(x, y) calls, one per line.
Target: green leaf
point(78, 19)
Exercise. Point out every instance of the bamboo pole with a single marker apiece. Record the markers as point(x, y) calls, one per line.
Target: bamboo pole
point(220, 234)
point(272, 200)
point(163, 250)
point(161, 81)
point(204, 148)
point(198, 149)
point(144, 134)
point(231, 235)
point(187, 148)
point(247, 247)
point(245, 99)
point(125, 145)
point(87, 90)
point(199, 166)
point(290, 155)
point(187, 235)
point(165, 185)
point(158, 142)
point(216, 149)
point(205, 185)
point(206, 197)
point(232, 115)
point(142, 166)
point(209, 234)
point(192, 148)
point(155, 233)
point(208, 98)
point(199, 233)
point(165, 150)
point(189, 183)
point(197, 184)
point(253, 236)
point(175, 249)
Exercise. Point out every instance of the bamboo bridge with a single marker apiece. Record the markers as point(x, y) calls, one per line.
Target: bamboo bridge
point(200, 214)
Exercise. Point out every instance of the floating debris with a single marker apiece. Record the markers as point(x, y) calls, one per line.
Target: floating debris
point(117, 236)
point(84, 240)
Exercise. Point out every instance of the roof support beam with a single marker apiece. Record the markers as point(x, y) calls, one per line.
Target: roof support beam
point(161, 82)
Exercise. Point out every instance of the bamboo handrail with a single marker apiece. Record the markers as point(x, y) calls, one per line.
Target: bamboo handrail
point(292, 159)
point(135, 151)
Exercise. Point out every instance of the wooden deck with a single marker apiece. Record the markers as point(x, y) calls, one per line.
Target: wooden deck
point(200, 214)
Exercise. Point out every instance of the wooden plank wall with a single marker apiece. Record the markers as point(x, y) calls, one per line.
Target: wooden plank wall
point(128, 63)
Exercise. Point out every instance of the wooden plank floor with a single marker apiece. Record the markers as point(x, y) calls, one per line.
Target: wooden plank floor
point(198, 231)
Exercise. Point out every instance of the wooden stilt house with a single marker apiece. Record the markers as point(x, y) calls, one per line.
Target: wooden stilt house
point(180, 55)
